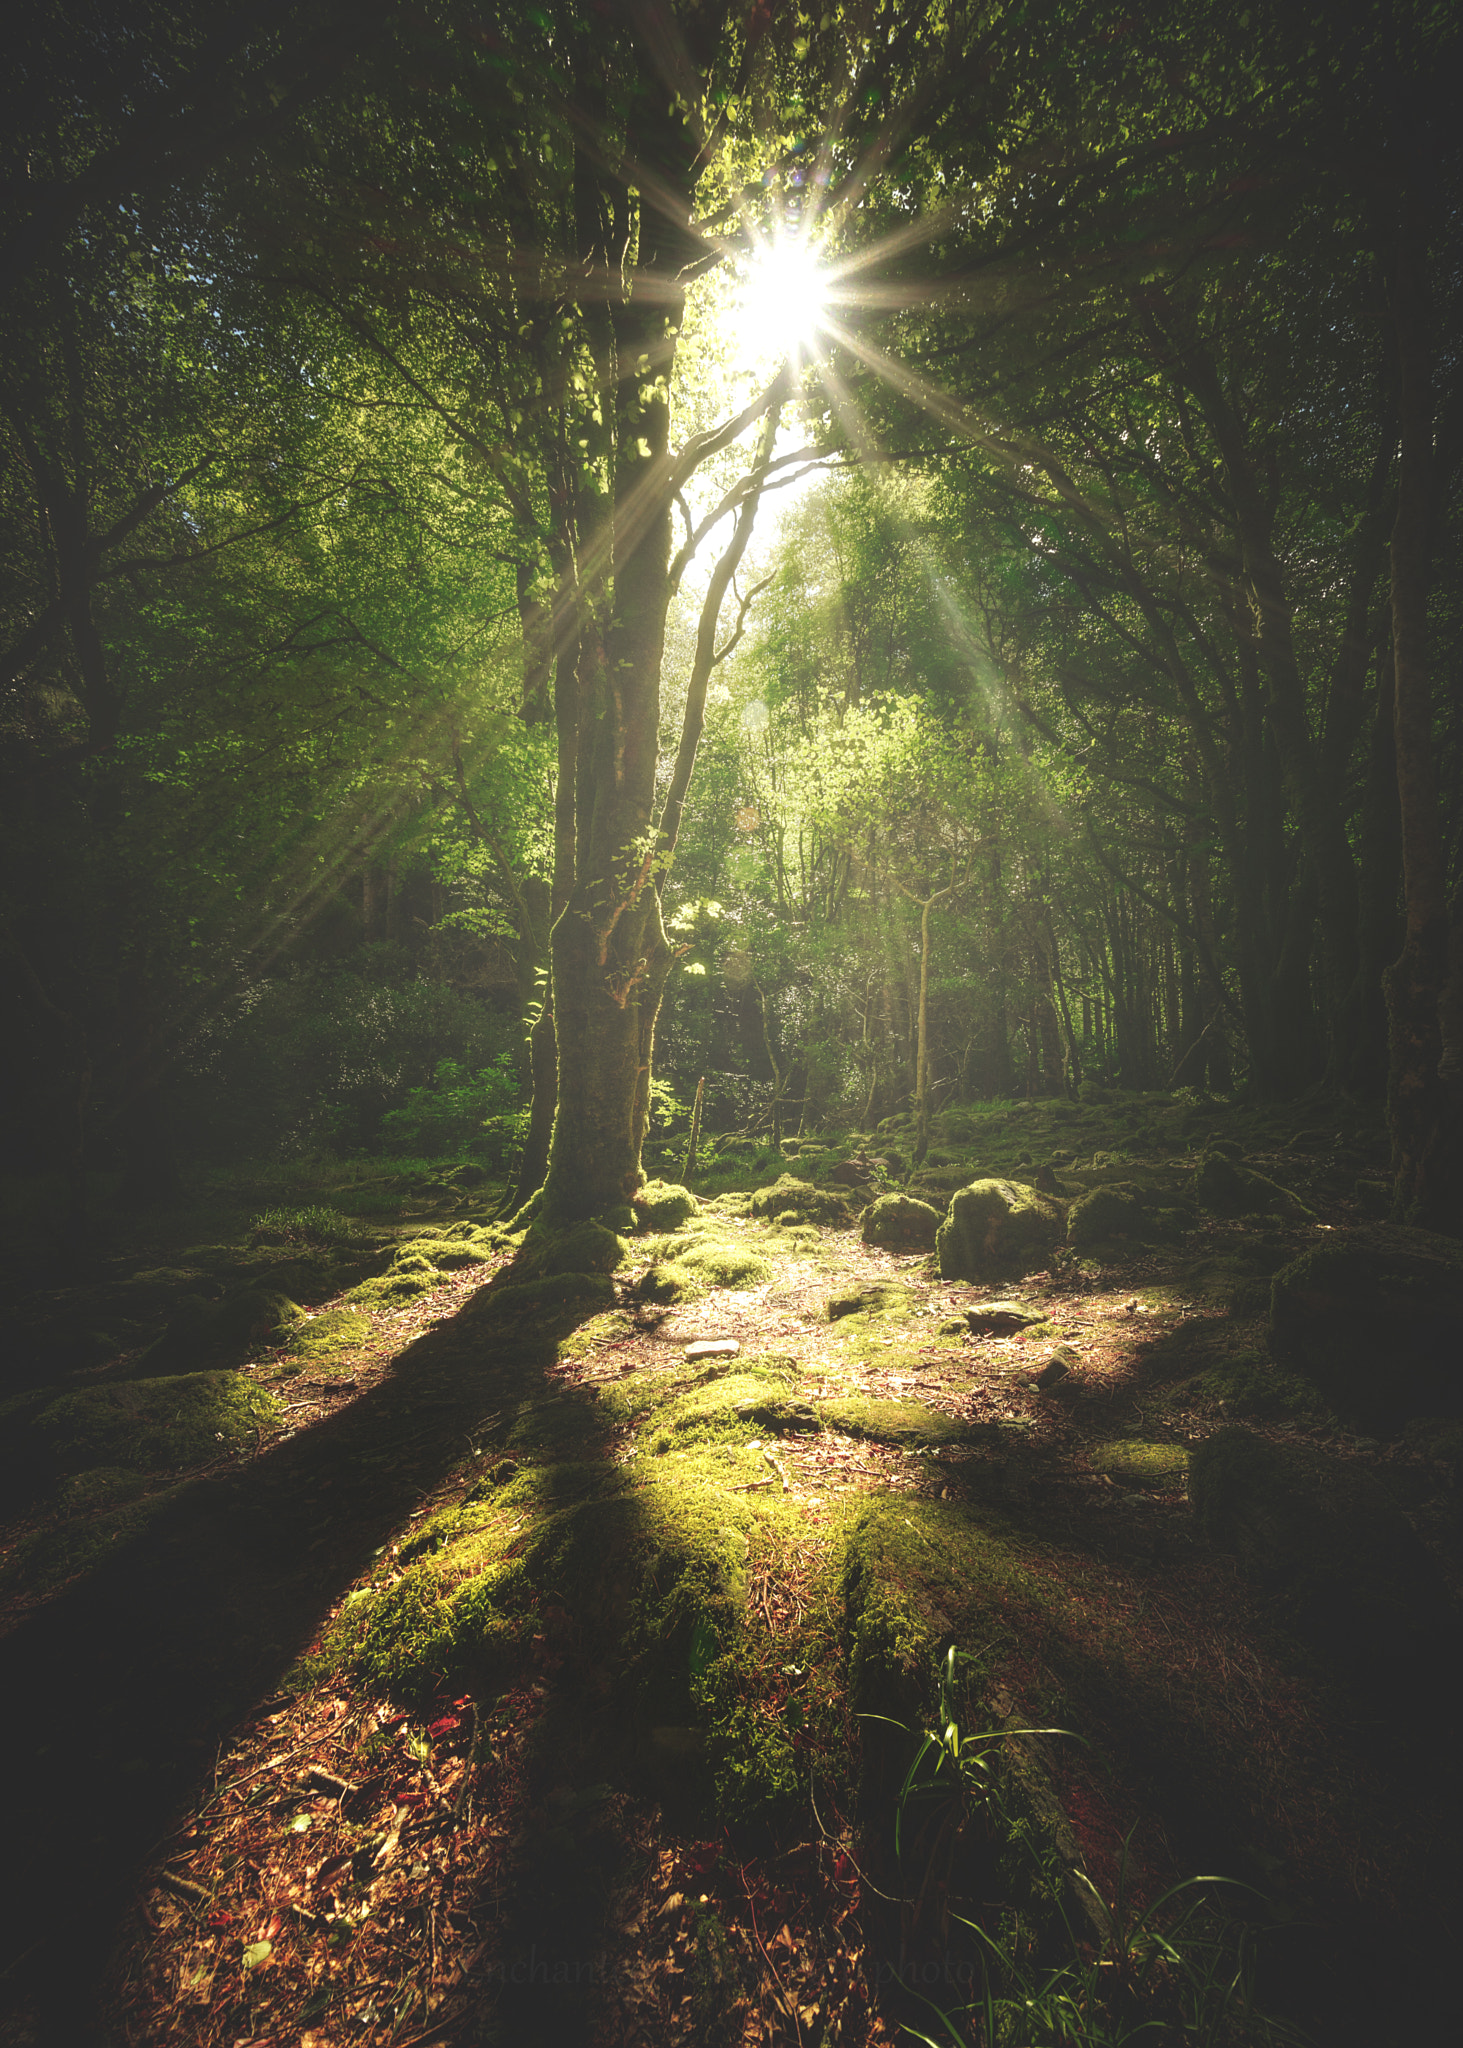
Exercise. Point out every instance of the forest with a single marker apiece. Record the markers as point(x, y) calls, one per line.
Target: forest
point(731, 902)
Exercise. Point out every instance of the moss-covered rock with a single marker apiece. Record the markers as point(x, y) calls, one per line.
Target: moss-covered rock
point(701, 1263)
point(204, 1333)
point(1148, 1467)
point(663, 1205)
point(1227, 1189)
point(901, 1222)
point(1378, 1330)
point(909, 1424)
point(150, 1425)
point(1322, 1535)
point(731, 1409)
point(801, 1202)
point(1107, 1212)
point(997, 1227)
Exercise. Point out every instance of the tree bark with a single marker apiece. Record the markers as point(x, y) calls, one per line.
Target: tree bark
point(1424, 985)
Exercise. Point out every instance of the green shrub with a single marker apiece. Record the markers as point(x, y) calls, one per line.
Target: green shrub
point(460, 1111)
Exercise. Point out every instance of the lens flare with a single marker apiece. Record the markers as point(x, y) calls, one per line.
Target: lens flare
point(782, 300)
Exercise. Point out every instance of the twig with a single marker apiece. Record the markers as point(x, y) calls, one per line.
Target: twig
point(788, 2007)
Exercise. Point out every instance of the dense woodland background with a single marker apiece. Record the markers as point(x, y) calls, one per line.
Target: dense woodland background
point(1062, 711)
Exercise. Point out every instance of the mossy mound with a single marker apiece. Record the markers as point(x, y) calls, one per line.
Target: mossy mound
point(633, 1565)
point(799, 1201)
point(997, 1227)
point(204, 1333)
point(560, 1291)
point(731, 1410)
point(97, 1526)
point(900, 1222)
point(1152, 1468)
point(1378, 1331)
point(663, 1205)
point(1253, 1387)
point(700, 1264)
point(325, 1336)
point(1230, 1190)
point(449, 1251)
point(150, 1425)
point(907, 1423)
point(1323, 1535)
point(1117, 1210)
point(882, 1299)
point(396, 1287)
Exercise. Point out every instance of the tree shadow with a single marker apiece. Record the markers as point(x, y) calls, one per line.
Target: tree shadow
point(115, 1695)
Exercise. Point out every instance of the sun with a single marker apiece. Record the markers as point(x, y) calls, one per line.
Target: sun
point(782, 300)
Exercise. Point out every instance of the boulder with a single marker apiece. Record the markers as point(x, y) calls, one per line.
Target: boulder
point(1003, 1318)
point(221, 1333)
point(997, 1226)
point(1114, 1211)
point(1324, 1537)
point(901, 1222)
point(663, 1205)
point(1377, 1329)
point(802, 1202)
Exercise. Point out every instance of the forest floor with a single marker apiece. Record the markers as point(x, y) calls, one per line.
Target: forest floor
point(496, 1670)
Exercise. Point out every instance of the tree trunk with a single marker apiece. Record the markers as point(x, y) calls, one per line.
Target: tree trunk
point(1424, 986)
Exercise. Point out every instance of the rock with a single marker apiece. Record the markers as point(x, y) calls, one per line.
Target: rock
point(800, 1201)
point(1231, 1190)
point(852, 1173)
point(223, 1332)
point(900, 1221)
point(1322, 1534)
point(997, 1226)
point(712, 1347)
point(1378, 1330)
point(1047, 1181)
point(1003, 1318)
point(861, 1301)
point(1055, 1367)
point(661, 1205)
point(1114, 1211)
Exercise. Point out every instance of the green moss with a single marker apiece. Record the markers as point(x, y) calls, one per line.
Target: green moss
point(1107, 1212)
point(1252, 1386)
point(202, 1333)
point(104, 1486)
point(394, 1289)
point(325, 1336)
point(661, 1205)
point(152, 1425)
point(45, 1559)
point(908, 1423)
point(1230, 1190)
point(900, 1221)
point(733, 1408)
point(524, 1298)
point(799, 1201)
point(1151, 1467)
point(997, 1227)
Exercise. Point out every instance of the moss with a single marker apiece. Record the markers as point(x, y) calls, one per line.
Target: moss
point(704, 1263)
point(1113, 1211)
point(152, 1425)
point(661, 1205)
point(908, 1423)
point(1230, 1190)
point(45, 1559)
point(228, 1331)
point(799, 1201)
point(1154, 1468)
point(634, 1566)
point(1250, 1385)
point(882, 1299)
point(732, 1409)
point(562, 1291)
point(997, 1227)
point(104, 1486)
point(901, 1221)
point(393, 1289)
point(325, 1336)
point(447, 1252)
